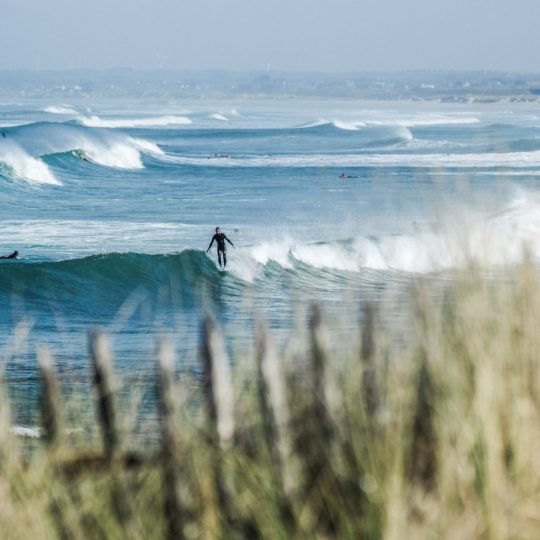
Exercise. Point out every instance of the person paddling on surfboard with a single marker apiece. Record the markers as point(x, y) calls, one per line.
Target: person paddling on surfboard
point(220, 238)
point(14, 255)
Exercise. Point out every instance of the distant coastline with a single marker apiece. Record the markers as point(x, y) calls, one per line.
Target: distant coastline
point(439, 86)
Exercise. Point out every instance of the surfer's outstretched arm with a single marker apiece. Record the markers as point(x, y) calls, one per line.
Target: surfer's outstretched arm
point(228, 241)
point(213, 238)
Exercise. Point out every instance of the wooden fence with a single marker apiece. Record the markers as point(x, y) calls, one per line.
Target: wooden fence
point(319, 426)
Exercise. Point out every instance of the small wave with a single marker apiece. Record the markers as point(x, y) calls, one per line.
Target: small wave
point(218, 116)
point(422, 161)
point(158, 121)
point(368, 133)
point(348, 126)
point(315, 124)
point(357, 124)
point(60, 109)
point(334, 124)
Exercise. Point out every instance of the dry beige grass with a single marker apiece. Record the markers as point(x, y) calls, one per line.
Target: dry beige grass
point(438, 437)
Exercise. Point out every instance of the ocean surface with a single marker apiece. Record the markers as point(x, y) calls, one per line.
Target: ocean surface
point(112, 205)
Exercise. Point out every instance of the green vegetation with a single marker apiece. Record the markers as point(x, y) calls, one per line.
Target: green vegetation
point(431, 434)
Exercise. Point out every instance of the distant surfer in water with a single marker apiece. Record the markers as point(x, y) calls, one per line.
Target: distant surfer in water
point(220, 238)
point(14, 255)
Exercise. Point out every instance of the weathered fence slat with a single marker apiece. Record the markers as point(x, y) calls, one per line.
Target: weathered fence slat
point(170, 450)
point(367, 355)
point(50, 398)
point(275, 418)
point(102, 361)
point(103, 381)
point(319, 358)
point(220, 412)
point(218, 385)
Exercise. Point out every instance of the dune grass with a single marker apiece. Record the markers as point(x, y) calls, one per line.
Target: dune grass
point(431, 434)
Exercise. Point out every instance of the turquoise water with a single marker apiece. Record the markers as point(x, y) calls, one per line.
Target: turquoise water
point(112, 206)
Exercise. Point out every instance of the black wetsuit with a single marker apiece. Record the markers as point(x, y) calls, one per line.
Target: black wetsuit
point(14, 255)
point(221, 248)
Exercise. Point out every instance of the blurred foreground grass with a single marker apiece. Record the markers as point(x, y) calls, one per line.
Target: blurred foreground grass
point(435, 434)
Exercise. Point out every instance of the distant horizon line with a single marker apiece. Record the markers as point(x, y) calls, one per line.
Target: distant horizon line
point(448, 71)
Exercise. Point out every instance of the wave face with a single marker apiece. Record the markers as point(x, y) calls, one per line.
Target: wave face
point(101, 283)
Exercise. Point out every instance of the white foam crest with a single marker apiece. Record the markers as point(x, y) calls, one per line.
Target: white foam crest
point(404, 133)
point(117, 152)
point(121, 154)
point(493, 241)
point(158, 121)
point(420, 254)
point(272, 251)
point(219, 116)
point(315, 123)
point(247, 263)
point(406, 122)
point(59, 109)
point(147, 146)
point(26, 167)
point(334, 256)
point(348, 126)
point(425, 121)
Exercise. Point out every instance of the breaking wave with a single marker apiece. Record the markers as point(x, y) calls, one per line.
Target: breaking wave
point(15, 163)
point(358, 124)
point(23, 147)
point(105, 281)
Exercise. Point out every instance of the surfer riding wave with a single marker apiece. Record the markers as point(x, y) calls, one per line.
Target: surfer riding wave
point(220, 238)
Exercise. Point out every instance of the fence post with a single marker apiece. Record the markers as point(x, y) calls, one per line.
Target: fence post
point(319, 359)
point(220, 410)
point(103, 381)
point(50, 399)
point(367, 354)
point(169, 442)
point(275, 419)
point(218, 386)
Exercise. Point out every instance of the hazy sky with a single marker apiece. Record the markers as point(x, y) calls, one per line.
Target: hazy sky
point(311, 35)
